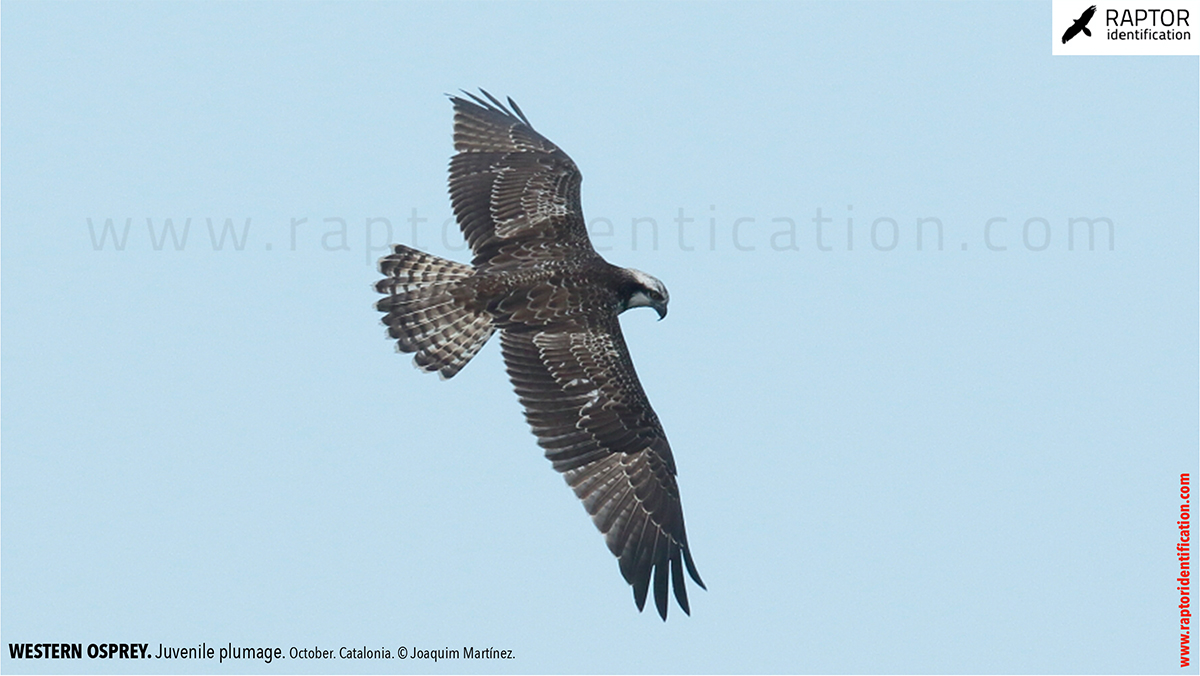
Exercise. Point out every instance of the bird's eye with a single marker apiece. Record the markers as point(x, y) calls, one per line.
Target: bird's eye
point(654, 295)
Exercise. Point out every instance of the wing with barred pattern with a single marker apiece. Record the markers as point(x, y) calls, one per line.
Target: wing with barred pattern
point(584, 402)
point(515, 194)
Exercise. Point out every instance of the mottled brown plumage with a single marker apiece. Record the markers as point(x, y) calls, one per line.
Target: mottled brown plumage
point(536, 278)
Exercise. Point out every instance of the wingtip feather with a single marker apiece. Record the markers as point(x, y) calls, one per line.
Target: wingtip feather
point(691, 568)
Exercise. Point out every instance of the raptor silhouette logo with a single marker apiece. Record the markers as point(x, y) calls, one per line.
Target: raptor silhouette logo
point(1080, 25)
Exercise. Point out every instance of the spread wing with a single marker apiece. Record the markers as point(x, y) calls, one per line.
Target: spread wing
point(515, 194)
point(589, 412)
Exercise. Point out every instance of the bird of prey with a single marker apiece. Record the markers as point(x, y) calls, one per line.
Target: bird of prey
point(1080, 25)
point(537, 280)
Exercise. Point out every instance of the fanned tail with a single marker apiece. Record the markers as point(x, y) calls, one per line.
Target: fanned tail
point(424, 314)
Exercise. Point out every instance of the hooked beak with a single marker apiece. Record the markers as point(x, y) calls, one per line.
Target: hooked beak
point(661, 309)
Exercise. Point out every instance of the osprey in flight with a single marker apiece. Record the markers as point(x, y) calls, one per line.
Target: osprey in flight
point(536, 278)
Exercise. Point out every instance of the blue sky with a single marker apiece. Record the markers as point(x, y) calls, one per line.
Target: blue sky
point(957, 453)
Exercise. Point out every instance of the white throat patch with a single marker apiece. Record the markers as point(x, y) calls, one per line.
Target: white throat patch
point(640, 299)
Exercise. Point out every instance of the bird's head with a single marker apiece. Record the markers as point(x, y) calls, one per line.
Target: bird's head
point(642, 290)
